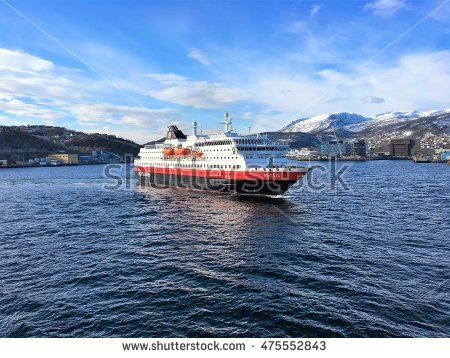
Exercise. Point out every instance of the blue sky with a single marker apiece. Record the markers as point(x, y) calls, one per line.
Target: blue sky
point(130, 68)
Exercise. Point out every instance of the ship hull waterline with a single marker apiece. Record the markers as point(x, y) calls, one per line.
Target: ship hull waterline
point(246, 183)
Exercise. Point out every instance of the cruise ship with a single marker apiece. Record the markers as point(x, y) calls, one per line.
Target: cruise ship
point(226, 162)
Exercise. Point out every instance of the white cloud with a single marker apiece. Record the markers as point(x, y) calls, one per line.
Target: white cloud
point(166, 78)
point(136, 123)
point(315, 9)
point(120, 115)
point(200, 94)
point(386, 8)
point(372, 99)
point(199, 56)
point(333, 76)
point(39, 79)
point(33, 90)
point(38, 86)
point(269, 93)
point(416, 81)
point(17, 61)
point(20, 108)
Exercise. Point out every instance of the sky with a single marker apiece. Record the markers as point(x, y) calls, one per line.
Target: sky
point(133, 67)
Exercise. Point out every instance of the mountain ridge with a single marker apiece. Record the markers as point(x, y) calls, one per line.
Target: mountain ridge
point(430, 128)
point(353, 122)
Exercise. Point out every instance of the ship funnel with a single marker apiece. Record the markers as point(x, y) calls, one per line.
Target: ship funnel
point(194, 128)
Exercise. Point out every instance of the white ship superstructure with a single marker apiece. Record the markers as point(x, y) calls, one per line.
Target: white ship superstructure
point(252, 164)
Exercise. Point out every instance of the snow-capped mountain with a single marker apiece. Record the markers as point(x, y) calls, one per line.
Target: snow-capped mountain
point(323, 122)
point(356, 123)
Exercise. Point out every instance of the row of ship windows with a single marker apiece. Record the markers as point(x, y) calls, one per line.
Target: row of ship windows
point(251, 141)
point(206, 166)
point(246, 157)
point(222, 157)
point(228, 142)
point(217, 150)
point(242, 149)
point(248, 149)
point(158, 151)
point(190, 158)
point(216, 142)
point(259, 149)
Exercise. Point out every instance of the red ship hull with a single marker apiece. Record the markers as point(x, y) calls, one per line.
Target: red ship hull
point(263, 182)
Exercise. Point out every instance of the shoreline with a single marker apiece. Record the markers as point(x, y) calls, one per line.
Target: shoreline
point(57, 166)
point(298, 160)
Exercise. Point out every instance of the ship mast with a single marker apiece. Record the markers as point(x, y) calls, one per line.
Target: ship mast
point(228, 123)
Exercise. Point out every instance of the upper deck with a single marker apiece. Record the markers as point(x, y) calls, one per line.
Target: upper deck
point(226, 150)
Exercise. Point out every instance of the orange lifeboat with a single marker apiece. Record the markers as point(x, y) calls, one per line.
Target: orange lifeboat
point(197, 154)
point(181, 151)
point(168, 152)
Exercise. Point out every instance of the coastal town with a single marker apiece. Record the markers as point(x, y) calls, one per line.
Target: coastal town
point(56, 146)
point(58, 159)
point(436, 149)
point(41, 145)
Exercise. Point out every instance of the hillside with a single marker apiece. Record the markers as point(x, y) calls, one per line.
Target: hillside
point(21, 143)
point(13, 141)
point(88, 143)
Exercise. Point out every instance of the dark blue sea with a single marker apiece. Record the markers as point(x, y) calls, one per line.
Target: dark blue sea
point(366, 255)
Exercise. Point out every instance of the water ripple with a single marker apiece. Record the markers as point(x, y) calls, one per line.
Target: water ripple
point(82, 261)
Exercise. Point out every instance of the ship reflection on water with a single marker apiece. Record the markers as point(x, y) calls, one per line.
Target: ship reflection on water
point(233, 242)
point(227, 227)
point(234, 213)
